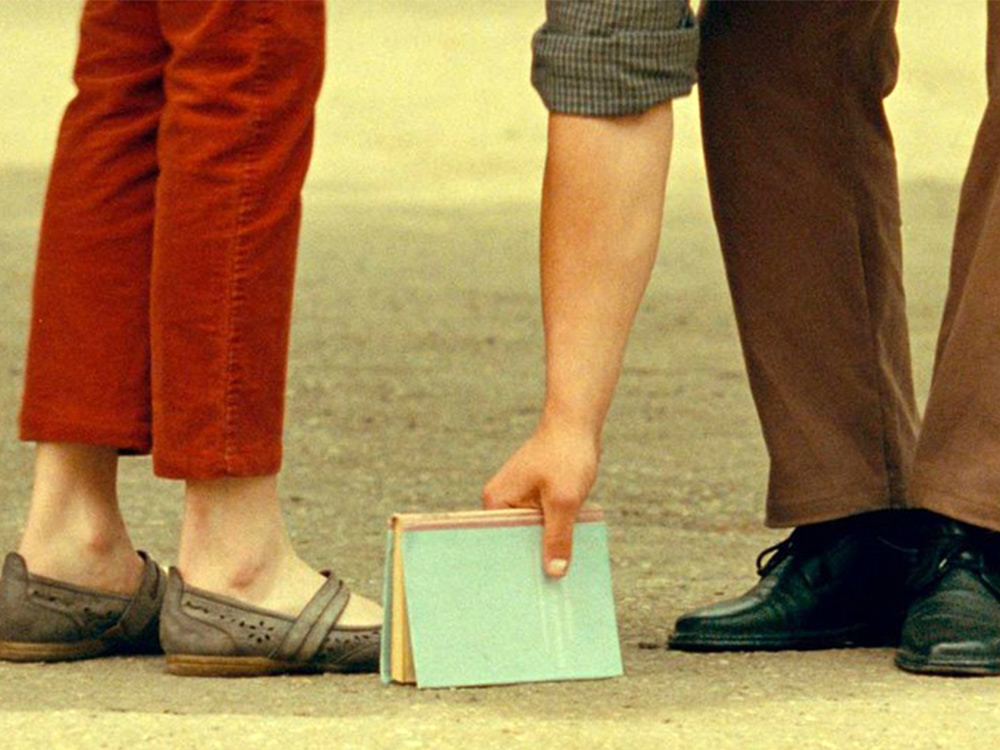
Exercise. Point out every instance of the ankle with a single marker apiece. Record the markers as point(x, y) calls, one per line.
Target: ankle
point(74, 531)
point(74, 498)
point(233, 538)
point(82, 534)
point(99, 560)
point(245, 574)
point(284, 583)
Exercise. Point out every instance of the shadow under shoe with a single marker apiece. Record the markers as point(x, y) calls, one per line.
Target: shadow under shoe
point(42, 619)
point(839, 584)
point(953, 624)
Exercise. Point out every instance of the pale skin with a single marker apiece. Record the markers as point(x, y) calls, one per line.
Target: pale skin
point(602, 209)
point(233, 539)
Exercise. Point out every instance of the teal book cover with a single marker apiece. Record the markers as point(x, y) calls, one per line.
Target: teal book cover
point(480, 611)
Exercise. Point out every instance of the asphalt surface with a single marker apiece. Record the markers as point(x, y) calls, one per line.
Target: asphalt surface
point(416, 368)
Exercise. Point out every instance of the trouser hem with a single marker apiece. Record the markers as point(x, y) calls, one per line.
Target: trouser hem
point(851, 501)
point(133, 440)
point(969, 507)
point(254, 463)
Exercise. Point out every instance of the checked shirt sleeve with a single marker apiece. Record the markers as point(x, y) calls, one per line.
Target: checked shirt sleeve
point(614, 57)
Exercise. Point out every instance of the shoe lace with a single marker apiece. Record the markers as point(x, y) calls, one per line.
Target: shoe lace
point(957, 554)
point(801, 539)
point(952, 554)
point(771, 557)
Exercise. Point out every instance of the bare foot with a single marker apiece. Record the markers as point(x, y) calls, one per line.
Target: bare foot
point(296, 585)
point(286, 586)
point(361, 612)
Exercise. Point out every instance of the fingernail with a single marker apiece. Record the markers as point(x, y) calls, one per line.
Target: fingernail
point(557, 567)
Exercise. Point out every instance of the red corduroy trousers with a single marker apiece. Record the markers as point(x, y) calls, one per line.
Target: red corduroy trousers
point(163, 286)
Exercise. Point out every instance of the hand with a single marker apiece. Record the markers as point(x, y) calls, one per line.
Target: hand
point(553, 470)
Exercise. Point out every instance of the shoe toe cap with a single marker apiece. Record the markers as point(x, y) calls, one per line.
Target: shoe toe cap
point(954, 629)
point(725, 615)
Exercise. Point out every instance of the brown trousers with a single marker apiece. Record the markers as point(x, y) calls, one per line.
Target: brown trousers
point(804, 189)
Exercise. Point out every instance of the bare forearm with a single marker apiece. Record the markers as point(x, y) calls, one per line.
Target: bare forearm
point(602, 207)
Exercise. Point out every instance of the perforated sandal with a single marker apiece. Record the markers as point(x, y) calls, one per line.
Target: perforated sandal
point(207, 635)
point(42, 619)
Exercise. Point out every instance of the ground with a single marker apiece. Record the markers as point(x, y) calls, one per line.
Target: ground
point(416, 368)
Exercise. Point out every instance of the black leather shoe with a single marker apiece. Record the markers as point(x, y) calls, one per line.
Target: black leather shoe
point(832, 585)
point(953, 624)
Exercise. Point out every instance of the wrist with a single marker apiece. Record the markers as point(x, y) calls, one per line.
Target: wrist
point(578, 427)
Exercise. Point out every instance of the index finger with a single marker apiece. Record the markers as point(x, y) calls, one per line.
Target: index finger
point(557, 541)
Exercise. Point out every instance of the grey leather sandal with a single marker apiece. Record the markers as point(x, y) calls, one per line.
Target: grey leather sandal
point(207, 635)
point(42, 619)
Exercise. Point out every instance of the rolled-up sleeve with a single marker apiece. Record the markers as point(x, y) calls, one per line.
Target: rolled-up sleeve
point(614, 57)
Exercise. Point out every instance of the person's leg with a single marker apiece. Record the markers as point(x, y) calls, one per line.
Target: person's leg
point(234, 147)
point(86, 393)
point(954, 623)
point(957, 471)
point(75, 532)
point(803, 183)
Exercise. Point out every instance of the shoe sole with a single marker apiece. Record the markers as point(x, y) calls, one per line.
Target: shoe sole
point(916, 664)
point(847, 638)
point(185, 665)
point(48, 652)
point(229, 666)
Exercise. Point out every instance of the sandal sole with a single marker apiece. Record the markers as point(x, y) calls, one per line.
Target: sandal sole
point(188, 665)
point(232, 666)
point(48, 652)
